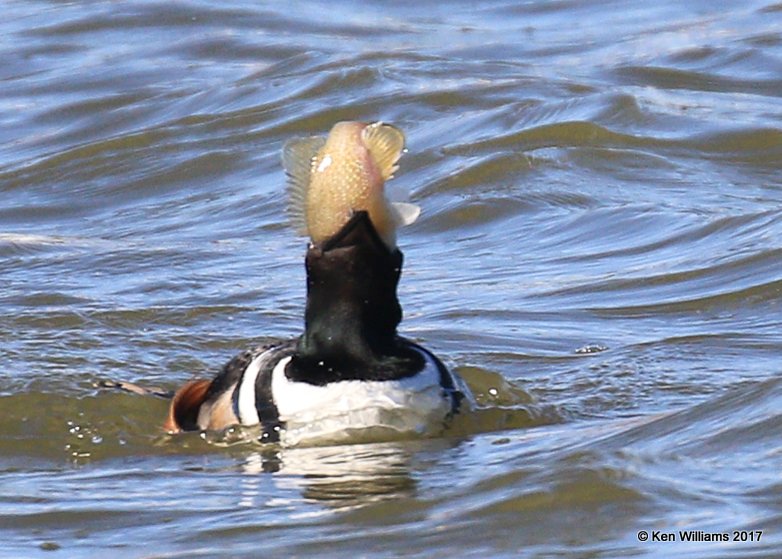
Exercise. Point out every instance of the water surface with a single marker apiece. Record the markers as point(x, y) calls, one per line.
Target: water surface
point(598, 255)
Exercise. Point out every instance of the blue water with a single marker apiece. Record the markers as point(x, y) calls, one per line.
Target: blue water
point(598, 255)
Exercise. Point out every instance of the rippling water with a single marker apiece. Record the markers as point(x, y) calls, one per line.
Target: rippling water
point(598, 255)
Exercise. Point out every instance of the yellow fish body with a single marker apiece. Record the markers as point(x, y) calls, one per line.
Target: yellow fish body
point(331, 178)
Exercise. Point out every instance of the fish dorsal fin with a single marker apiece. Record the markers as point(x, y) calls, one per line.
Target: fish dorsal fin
point(386, 144)
point(298, 157)
point(405, 213)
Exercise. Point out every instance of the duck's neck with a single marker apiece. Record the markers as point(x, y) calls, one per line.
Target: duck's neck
point(352, 309)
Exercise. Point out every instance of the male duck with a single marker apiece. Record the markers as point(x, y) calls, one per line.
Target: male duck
point(349, 376)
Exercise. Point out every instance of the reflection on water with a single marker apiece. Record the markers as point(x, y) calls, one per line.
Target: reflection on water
point(597, 255)
point(340, 476)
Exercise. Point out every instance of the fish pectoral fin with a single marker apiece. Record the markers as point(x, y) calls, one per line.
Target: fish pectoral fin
point(405, 213)
point(386, 144)
point(298, 156)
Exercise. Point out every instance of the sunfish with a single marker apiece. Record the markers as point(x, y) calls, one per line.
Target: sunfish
point(331, 178)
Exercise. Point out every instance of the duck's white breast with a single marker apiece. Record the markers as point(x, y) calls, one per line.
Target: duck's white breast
point(354, 410)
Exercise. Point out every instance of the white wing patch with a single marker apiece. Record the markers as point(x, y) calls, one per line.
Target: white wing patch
point(248, 412)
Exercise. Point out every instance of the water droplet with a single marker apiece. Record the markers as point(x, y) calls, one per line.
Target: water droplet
point(591, 348)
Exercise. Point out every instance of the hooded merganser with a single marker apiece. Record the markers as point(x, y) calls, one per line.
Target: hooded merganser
point(349, 376)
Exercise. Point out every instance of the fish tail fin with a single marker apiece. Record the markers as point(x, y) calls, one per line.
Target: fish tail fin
point(386, 143)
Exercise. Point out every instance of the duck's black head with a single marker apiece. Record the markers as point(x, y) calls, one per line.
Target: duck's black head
point(352, 310)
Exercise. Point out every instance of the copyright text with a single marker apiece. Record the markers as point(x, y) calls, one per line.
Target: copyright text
point(699, 536)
